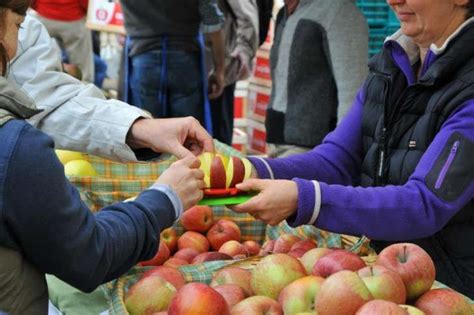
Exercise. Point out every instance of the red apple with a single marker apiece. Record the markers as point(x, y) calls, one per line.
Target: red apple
point(299, 296)
point(267, 247)
point(312, 256)
point(222, 231)
point(235, 172)
point(304, 244)
point(274, 272)
point(335, 261)
point(198, 219)
point(193, 240)
point(198, 298)
point(342, 293)
point(297, 252)
point(232, 293)
point(170, 237)
point(253, 248)
point(174, 262)
point(187, 254)
point(284, 243)
point(383, 283)
point(413, 264)
point(233, 248)
point(444, 302)
point(257, 305)
point(378, 307)
point(172, 275)
point(233, 275)
point(148, 295)
point(412, 310)
point(160, 257)
point(210, 256)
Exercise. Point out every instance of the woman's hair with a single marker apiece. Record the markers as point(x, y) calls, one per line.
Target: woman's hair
point(18, 6)
point(470, 9)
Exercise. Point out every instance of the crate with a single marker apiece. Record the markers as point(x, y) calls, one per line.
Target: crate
point(377, 37)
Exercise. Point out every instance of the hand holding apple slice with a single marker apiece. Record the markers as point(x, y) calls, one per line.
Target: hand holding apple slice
point(224, 172)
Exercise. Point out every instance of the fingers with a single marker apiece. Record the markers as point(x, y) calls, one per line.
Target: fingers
point(251, 184)
point(202, 137)
point(190, 161)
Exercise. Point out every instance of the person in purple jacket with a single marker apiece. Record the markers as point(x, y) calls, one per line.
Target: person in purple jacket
point(400, 166)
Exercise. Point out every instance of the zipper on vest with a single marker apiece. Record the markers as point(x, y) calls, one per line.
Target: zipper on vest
point(447, 165)
point(381, 162)
point(382, 147)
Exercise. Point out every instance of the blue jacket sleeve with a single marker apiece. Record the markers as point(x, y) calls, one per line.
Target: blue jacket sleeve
point(57, 232)
point(440, 186)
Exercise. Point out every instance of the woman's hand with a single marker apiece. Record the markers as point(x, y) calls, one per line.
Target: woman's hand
point(276, 200)
point(186, 179)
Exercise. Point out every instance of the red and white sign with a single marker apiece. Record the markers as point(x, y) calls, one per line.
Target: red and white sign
point(104, 15)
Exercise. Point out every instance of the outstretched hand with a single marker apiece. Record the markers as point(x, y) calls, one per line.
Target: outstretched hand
point(179, 136)
point(276, 199)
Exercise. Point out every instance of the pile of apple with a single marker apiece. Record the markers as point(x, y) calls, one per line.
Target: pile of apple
point(296, 277)
point(224, 172)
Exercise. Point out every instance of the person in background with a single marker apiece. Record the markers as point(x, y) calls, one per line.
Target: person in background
point(398, 167)
point(318, 60)
point(79, 118)
point(241, 43)
point(166, 73)
point(45, 226)
point(65, 21)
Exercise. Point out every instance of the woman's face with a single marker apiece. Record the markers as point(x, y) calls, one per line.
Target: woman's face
point(429, 21)
point(12, 22)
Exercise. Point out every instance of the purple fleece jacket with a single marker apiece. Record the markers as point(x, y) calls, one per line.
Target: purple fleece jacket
point(392, 213)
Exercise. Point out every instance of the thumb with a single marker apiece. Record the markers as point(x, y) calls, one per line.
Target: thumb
point(191, 161)
point(251, 184)
point(181, 152)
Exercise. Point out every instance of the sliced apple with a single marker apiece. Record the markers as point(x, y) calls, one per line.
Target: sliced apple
point(235, 172)
point(247, 167)
point(206, 159)
point(217, 173)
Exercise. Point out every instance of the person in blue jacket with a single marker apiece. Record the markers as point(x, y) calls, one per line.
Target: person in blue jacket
point(399, 166)
point(44, 226)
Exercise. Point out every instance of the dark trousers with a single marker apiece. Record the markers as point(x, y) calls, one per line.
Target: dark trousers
point(183, 84)
point(222, 109)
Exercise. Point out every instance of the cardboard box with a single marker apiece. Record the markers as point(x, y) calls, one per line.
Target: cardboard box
point(239, 140)
point(262, 72)
point(258, 100)
point(105, 16)
point(257, 137)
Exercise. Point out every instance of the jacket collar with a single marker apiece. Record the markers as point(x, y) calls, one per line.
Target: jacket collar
point(14, 104)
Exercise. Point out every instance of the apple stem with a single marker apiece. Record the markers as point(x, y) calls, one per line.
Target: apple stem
point(404, 258)
point(371, 270)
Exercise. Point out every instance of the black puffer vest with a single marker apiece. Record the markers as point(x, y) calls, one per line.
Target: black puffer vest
point(400, 122)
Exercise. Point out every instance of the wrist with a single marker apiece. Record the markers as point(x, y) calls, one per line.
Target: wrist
point(136, 137)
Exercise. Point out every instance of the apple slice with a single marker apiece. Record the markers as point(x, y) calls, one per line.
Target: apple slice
point(206, 159)
point(247, 167)
point(217, 174)
point(235, 172)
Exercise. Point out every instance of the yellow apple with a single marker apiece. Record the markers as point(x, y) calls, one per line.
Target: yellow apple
point(65, 156)
point(79, 168)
